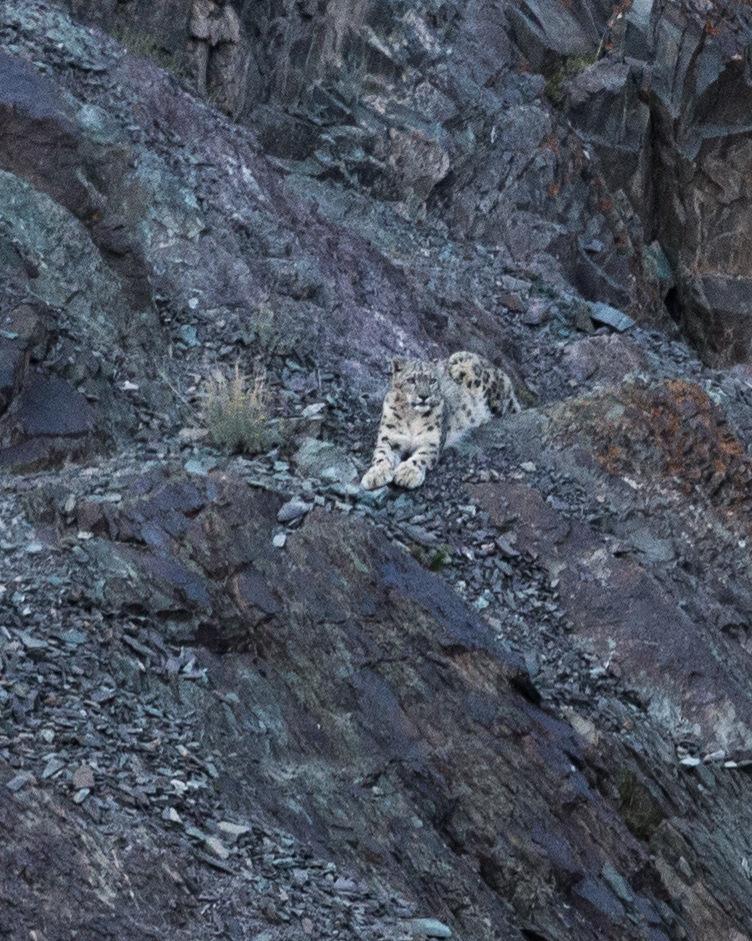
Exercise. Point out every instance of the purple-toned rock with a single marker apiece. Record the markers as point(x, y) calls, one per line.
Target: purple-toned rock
point(52, 408)
point(49, 422)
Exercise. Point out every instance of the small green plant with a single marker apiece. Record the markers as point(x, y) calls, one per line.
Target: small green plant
point(440, 558)
point(266, 331)
point(436, 560)
point(275, 334)
point(237, 413)
point(570, 67)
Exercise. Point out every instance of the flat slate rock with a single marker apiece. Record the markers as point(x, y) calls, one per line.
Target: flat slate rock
point(51, 407)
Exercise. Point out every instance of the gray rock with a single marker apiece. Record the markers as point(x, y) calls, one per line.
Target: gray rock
point(293, 510)
point(653, 547)
point(617, 883)
point(53, 766)
point(188, 335)
point(690, 761)
point(429, 928)
point(200, 467)
point(19, 781)
point(602, 359)
point(233, 831)
point(12, 366)
point(374, 498)
point(216, 846)
point(605, 314)
point(74, 638)
point(83, 778)
point(50, 407)
point(314, 410)
point(317, 458)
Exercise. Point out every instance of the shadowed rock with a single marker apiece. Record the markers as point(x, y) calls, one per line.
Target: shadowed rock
point(671, 126)
point(49, 423)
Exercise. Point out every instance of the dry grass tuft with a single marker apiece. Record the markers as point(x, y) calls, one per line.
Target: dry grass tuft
point(237, 412)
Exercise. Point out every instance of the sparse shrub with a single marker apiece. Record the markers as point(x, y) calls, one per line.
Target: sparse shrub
point(266, 332)
point(638, 807)
point(237, 413)
point(434, 559)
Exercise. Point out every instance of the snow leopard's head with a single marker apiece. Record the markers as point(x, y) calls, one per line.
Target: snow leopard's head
point(416, 382)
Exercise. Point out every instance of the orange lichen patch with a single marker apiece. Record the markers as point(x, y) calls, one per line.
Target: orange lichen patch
point(553, 190)
point(669, 432)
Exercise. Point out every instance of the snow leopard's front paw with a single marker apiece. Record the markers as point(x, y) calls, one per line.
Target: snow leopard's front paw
point(409, 475)
point(377, 476)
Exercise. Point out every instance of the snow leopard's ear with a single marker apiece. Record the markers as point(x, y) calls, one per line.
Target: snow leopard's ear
point(398, 364)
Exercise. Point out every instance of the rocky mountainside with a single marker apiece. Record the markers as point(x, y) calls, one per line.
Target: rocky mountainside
point(242, 698)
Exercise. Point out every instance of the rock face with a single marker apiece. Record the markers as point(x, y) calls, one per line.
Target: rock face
point(666, 111)
point(701, 165)
point(218, 54)
point(242, 698)
point(440, 109)
point(43, 419)
point(406, 731)
point(615, 590)
point(434, 108)
point(410, 104)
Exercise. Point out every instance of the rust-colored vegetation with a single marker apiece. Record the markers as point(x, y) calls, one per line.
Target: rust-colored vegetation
point(670, 433)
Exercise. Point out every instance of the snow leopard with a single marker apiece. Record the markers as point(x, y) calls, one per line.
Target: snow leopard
point(429, 406)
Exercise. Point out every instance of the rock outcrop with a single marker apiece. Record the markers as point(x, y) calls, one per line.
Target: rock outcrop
point(666, 111)
point(442, 109)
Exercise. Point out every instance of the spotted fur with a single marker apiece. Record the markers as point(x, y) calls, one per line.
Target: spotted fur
point(429, 406)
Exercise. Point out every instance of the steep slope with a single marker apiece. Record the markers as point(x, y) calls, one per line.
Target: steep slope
point(242, 698)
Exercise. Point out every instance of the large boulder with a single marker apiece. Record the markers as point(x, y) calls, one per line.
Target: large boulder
point(50, 422)
point(548, 32)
